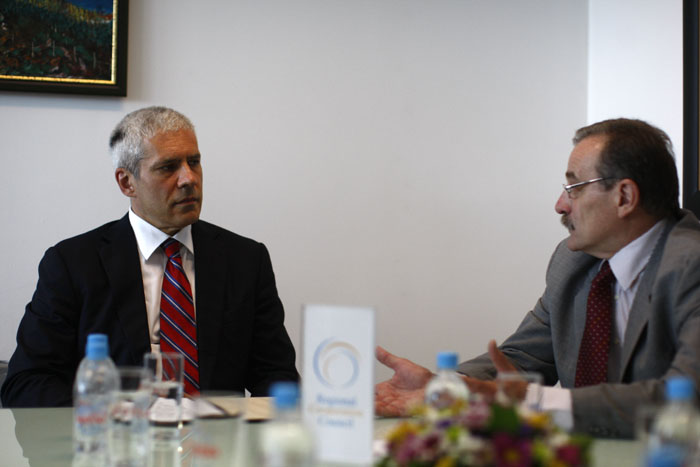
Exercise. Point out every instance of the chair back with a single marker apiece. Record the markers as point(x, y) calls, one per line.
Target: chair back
point(3, 374)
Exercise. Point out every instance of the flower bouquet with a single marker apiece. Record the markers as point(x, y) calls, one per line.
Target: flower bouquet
point(482, 434)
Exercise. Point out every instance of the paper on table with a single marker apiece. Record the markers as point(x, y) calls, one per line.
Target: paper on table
point(215, 407)
point(256, 409)
point(225, 406)
point(164, 410)
point(123, 411)
point(188, 409)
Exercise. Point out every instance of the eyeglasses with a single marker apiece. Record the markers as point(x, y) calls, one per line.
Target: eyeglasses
point(570, 188)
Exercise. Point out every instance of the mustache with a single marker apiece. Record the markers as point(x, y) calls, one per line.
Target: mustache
point(566, 222)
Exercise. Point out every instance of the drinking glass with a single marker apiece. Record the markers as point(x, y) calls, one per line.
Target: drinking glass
point(645, 415)
point(520, 388)
point(128, 419)
point(218, 429)
point(165, 372)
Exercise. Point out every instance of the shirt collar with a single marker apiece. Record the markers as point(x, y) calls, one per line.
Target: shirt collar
point(628, 263)
point(149, 238)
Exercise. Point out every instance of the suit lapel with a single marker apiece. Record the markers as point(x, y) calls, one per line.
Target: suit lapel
point(209, 267)
point(119, 256)
point(567, 361)
point(639, 313)
point(581, 303)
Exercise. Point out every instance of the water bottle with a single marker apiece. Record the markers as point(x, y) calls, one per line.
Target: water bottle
point(95, 383)
point(285, 441)
point(446, 388)
point(674, 434)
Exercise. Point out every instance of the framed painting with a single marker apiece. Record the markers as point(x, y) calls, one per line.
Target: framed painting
point(691, 104)
point(64, 46)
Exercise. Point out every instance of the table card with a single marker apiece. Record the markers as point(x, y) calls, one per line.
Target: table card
point(338, 392)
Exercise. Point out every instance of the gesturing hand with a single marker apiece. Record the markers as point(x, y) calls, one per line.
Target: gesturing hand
point(406, 388)
point(514, 389)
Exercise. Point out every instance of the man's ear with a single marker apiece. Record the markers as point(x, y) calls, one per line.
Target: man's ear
point(125, 180)
point(628, 197)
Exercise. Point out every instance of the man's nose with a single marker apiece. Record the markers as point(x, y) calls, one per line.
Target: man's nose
point(186, 176)
point(563, 204)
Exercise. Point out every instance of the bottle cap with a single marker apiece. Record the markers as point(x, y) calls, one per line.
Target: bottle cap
point(665, 456)
point(447, 360)
point(285, 394)
point(96, 347)
point(679, 388)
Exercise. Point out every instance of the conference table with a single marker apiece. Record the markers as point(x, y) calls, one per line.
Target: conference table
point(43, 437)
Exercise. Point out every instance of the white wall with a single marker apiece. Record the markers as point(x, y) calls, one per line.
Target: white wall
point(402, 154)
point(635, 64)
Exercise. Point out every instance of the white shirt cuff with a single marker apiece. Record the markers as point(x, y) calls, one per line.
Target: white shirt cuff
point(557, 401)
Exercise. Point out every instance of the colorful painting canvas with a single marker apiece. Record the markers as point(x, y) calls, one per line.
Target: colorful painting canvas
point(64, 43)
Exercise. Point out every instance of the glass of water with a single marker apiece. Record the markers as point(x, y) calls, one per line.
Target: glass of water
point(520, 388)
point(217, 421)
point(165, 372)
point(128, 418)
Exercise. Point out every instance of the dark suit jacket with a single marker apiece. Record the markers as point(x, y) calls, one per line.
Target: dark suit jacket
point(662, 338)
point(92, 283)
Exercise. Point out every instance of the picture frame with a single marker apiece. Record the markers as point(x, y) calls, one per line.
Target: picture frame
point(691, 104)
point(73, 46)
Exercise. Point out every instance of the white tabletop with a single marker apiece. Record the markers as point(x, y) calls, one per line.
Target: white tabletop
point(43, 437)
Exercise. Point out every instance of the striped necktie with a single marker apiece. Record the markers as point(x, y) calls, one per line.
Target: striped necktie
point(593, 355)
point(178, 327)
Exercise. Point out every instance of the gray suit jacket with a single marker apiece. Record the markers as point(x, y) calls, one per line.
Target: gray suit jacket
point(662, 338)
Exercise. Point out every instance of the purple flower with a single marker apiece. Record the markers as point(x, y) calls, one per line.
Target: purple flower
point(480, 434)
point(569, 454)
point(429, 449)
point(444, 423)
point(406, 450)
point(511, 451)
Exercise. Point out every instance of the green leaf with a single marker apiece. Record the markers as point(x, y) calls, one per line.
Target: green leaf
point(503, 419)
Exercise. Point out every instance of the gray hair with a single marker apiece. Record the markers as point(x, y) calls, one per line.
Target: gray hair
point(129, 141)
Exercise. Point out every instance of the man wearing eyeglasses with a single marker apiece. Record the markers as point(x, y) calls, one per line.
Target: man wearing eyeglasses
point(620, 313)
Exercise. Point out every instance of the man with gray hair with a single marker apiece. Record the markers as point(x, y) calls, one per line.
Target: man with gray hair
point(158, 279)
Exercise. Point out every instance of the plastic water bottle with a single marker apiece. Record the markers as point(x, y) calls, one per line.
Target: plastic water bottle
point(446, 388)
point(93, 391)
point(674, 435)
point(285, 441)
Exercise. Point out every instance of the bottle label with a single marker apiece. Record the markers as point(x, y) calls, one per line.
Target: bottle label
point(91, 417)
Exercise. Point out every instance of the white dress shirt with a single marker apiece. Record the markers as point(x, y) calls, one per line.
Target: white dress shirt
point(628, 266)
point(153, 260)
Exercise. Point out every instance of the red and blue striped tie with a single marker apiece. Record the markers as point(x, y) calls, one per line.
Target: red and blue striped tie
point(178, 327)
